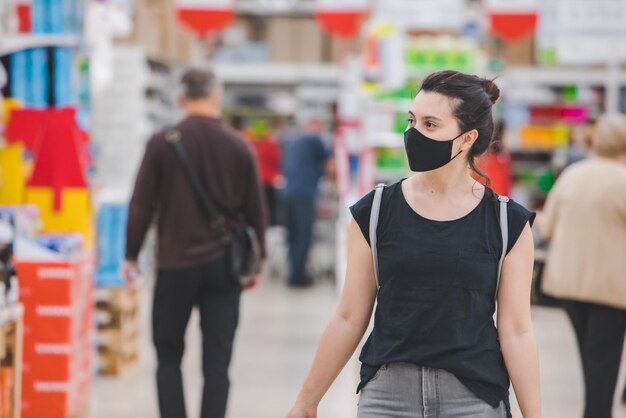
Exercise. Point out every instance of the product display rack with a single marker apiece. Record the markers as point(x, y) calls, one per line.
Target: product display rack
point(49, 84)
point(278, 91)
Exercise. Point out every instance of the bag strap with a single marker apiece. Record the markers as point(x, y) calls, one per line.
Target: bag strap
point(217, 220)
point(374, 214)
point(504, 229)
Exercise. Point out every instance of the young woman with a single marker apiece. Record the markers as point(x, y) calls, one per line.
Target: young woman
point(434, 350)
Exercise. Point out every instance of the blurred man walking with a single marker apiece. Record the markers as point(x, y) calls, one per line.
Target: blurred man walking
point(192, 260)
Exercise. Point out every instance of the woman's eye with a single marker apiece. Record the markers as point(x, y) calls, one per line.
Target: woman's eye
point(411, 122)
point(430, 125)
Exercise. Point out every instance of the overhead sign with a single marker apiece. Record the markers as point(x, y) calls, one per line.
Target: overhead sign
point(204, 17)
point(341, 18)
point(511, 20)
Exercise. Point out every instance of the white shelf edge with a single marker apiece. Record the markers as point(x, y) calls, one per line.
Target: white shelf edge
point(556, 75)
point(15, 43)
point(253, 7)
point(284, 74)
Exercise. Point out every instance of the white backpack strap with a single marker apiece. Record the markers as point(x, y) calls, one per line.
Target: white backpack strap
point(504, 229)
point(378, 195)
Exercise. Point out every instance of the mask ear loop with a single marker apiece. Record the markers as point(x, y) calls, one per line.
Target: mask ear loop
point(460, 151)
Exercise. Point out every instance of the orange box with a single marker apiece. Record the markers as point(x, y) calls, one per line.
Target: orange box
point(49, 405)
point(53, 367)
point(58, 337)
point(50, 283)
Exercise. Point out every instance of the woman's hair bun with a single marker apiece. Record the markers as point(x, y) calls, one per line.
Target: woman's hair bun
point(491, 89)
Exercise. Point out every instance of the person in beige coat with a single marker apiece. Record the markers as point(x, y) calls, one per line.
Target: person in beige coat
point(585, 221)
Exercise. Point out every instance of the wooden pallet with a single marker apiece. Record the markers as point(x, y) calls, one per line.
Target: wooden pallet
point(116, 364)
point(107, 318)
point(117, 313)
point(118, 340)
point(117, 299)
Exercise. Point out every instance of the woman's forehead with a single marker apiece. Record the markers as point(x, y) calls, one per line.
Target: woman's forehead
point(432, 104)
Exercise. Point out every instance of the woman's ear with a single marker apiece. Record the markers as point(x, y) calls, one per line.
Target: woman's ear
point(470, 137)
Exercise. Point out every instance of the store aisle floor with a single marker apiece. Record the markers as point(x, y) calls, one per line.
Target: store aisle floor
point(276, 341)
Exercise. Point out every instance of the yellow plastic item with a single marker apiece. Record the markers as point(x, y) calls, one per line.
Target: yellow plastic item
point(12, 175)
point(8, 105)
point(75, 214)
point(544, 137)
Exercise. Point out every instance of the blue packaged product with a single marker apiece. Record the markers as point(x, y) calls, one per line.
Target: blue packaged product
point(68, 245)
point(38, 78)
point(70, 9)
point(38, 16)
point(109, 276)
point(56, 16)
point(18, 63)
point(79, 15)
point(111, 244)
point(63, 92)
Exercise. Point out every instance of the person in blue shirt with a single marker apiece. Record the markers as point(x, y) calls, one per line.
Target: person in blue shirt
point(304, 160)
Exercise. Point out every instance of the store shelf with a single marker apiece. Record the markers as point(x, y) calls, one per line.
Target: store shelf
point(15, 43)
point(558, 75)
point(276, 74)
point(384, 140)
point(256, 7)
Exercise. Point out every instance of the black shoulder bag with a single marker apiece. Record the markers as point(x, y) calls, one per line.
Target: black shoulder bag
point(242, 244)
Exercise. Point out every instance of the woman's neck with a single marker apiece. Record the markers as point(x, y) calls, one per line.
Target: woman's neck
point(446, 181)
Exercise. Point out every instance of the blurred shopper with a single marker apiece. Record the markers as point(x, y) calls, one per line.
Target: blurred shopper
point(579, 147)
point(496, 163)
point(434, 350)
point(192, 261)
point(269, 156)
point(585, 221)
point(240, 125)
point(304, 164)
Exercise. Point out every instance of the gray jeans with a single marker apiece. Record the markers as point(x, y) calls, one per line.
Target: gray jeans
point(402, 390)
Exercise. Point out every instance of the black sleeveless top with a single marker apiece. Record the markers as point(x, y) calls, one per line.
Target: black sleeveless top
point(437, 289)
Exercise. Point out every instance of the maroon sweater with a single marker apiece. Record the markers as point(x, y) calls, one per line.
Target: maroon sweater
point(226, 165)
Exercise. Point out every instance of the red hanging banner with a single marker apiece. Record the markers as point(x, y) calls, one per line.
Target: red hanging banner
point(512, 20)
point(204, 17)
point(341, 19)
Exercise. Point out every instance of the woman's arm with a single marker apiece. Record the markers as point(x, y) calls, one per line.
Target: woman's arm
point(345, 328)
point(515, 327)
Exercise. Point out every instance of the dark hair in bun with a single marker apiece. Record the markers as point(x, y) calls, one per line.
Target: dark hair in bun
point(472, 101)
point(491, 89)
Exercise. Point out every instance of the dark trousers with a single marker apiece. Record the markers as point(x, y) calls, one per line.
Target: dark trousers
point(272, 204)
point(300, 213)
point(600, 334)
point(216, 294)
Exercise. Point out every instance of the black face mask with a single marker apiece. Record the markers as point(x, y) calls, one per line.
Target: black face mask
point(426, 154)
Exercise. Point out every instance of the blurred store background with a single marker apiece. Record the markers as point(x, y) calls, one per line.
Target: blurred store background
point(84, 83)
